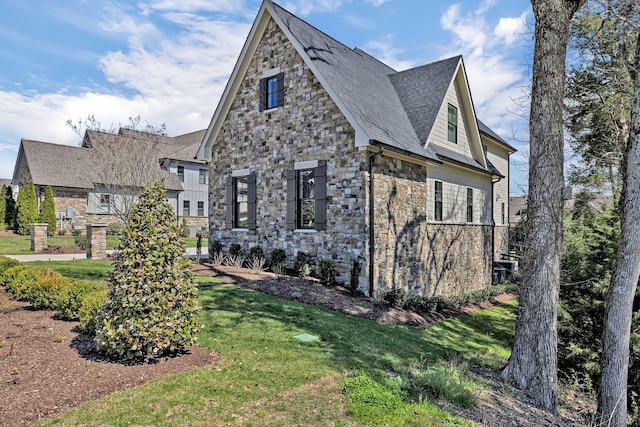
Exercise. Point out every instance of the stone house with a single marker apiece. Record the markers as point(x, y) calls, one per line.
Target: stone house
point(321, 148)
point(93, 181)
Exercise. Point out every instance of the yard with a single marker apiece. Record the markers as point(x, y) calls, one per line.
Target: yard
point(262, 375)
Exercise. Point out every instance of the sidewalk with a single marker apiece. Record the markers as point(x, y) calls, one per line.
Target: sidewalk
point(190, 252)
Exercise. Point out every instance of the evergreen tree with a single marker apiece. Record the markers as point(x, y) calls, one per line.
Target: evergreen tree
point(48, 211)
point(10, 208)
point(3, 204)
point(152, 308)
point(26, 209)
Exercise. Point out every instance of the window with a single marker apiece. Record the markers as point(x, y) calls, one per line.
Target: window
point(502, 213)
point(200, 208)
point(204, 176)
point(437, 214)
point(306, 196)
point(186, 208)
point(469, 204)
point(241, 200)
point(452, 125)
point(272, 92)
point(105, 203)
point(181, 173)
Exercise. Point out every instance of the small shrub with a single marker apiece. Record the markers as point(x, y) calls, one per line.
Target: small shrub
point(234, 261)
point(6, 263)
point(47, 214)
point(26, 209)
point(204, 233)
point(218, 259)
point(185, 231)
point(62, 232)
point(278, 256)
point(115, 228)
point(43, 294)
point(79, 239)
point(88, 311)
point(394, 298)
point(235, 249)
point(215, 247)
point(327, 274)
point(256, 259)
point(69, 299)
point(354, 277)
point(302, 265)
point(20, 278)
point(256, 252)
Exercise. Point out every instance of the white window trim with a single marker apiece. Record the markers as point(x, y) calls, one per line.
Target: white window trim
point(240, 172)
point(309, 164)
point(270, 73)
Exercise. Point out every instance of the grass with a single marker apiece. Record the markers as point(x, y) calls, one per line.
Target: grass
point(14, 244)
point(266, 377)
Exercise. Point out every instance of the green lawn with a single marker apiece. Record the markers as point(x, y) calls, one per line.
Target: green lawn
point(13, 244)
point(262, 362)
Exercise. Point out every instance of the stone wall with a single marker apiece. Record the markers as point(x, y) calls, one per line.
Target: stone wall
point(309, 126)
point(416, 256)
point(38, 237)
point(501, 245)
point(96, 241)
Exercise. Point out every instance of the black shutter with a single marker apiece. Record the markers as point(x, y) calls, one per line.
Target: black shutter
point(280, 92)
point(291, 200)
point(263, 94)
point(320, 196)
point(251, 203)
point(229, 203)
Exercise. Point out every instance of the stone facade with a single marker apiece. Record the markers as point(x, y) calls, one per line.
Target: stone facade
point(501, 242)
point(38, 237)
point(96, 241)
point(308, 127)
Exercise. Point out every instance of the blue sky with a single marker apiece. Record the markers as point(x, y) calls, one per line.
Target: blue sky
point(169, 60)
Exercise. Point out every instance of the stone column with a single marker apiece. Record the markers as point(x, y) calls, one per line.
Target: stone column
point(38, 237)
point(96, 241)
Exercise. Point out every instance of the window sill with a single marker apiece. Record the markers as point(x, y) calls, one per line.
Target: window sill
point(240, 229)
point(269, 110)
point(305, 230)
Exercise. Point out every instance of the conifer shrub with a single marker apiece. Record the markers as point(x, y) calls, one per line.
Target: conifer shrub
point(151, 308)
point(3, 204)
point(327, 272)
point(10, 207)
point(26, 209)
point(302, 265)
point(277, 262)
point(48, 211)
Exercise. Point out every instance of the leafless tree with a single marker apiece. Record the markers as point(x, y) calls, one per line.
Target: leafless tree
point(533, 362)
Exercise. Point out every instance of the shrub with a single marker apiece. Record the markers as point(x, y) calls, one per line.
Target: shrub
point(115, 228)
point(354, 277)
point(10, 208)
point(79, 239)
point(88, 311)
point(62, 232)
point(215, 247)
point(235, 258)
point(302, 264)
point(152, 307)
point(20, 278)
point(394, 298)
point(256, 259)
point(47, 213)
point(69, 299)
point(235, 249)
point(327, 273)
point(44, 292)
point(185, 231)
point(3, 204)
point(26, 209)
point(277, 262)
point(5, 263)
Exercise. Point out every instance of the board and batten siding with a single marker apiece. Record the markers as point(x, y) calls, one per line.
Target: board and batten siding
point(455, 181)
point(194, 192)
point(440, 126)
point(500, 159)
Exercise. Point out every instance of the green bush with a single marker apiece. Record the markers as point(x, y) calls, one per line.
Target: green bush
point(10, 207)
point(115, 228)
point(20, 278)
point(327, 272)
point(3, 204)
point(278, 257)
point(302, 265)
point(79, 239)
point(235, 249)
point(215, 247)
point(69, 299)
point(43, 294)
point(6, 262)
point(255, 252)
point(185, 231)
point(152, 307)
point(88, 311)
point(47, 213)
point(354, 277)
point(26, 209)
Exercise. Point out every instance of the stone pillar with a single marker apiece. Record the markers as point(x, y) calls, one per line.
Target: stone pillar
point(38, 237)
point(96, 241)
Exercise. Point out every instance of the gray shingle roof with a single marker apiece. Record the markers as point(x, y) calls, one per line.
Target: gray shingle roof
point(80, 167)
point(487, 131)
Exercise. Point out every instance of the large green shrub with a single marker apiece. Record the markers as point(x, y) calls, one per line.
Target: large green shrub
point(18, 279)
point(48, 211)
point(43, 294)
point(70, 299)
point(5, 263)
point(3, 204)
point(26, 209)
point(152, 305)
point(302, 265)
point(10, 207)
point(88, 311)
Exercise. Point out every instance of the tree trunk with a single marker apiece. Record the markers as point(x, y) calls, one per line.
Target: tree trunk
point(612, 396)
point(533, 362)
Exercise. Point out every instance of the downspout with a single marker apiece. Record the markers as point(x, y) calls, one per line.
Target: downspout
point(372, 233)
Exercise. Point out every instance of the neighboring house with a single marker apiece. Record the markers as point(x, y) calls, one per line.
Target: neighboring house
point(7, 183)
point(91, 182)
point(321, 148)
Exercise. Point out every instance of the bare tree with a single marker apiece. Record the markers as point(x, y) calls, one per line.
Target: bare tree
point(533, 362)
point(123, 162)
point(612, 395)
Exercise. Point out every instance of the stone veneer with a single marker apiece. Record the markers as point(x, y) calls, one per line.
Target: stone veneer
point(501, 239)
point(308, 127)
point(96, 241)
point(410, 253)
point(38, 237)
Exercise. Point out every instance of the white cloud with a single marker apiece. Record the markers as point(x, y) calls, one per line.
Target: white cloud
point(385, 51)
point(228, 6)
point(511, 29)
point(305, 7)
point(376, 3)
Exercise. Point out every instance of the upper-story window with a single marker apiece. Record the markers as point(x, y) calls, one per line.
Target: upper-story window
point(241, 200)
point(272, 92)
point(306, 196)
point(469, 204)
point(437, 211)
point(186, 208)
point(452, 124)
point(204, 176)
point(502, 213)
point(181, 173)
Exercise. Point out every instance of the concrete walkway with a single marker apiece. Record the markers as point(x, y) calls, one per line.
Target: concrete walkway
point(190, 252)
